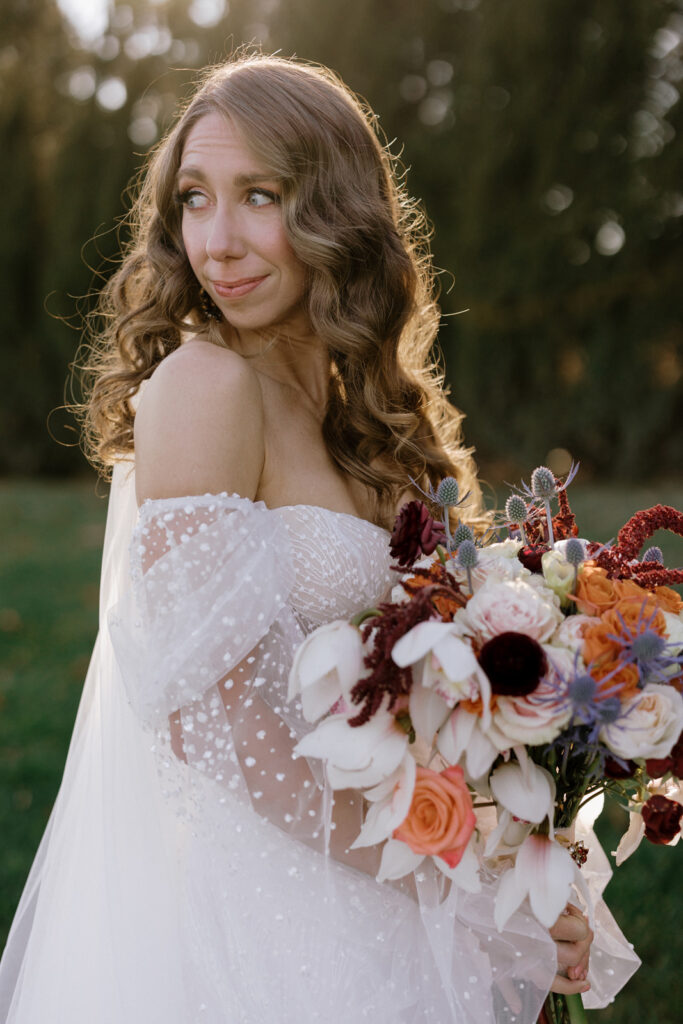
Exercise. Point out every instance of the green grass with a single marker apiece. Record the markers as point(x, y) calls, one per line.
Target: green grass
point(49, 567)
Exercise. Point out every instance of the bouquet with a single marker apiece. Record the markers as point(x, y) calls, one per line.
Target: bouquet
point(531, 672)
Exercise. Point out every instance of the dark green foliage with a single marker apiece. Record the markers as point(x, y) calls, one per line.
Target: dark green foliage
point(529, 128)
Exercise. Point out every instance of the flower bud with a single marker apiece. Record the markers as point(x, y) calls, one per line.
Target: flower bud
point(516, 510)
point(574, 551)
point(558, 574)
point(462, 532)
point(467, 554)
point(448, 491)
point(543, 483)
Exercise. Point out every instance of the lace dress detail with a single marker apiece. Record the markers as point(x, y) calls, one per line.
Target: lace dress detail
point(193, 871)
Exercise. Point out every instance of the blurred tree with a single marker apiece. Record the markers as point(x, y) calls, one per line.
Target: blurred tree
point(545, 140)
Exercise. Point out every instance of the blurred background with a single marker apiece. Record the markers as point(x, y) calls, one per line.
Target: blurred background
point(545, 138)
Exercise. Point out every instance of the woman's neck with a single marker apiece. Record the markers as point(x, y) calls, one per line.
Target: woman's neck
point(295, 358)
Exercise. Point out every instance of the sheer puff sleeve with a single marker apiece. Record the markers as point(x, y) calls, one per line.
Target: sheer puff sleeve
point(204, 639)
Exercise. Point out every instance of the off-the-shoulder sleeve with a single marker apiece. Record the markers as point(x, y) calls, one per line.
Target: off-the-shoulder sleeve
point(210, 576)
point(204, 637)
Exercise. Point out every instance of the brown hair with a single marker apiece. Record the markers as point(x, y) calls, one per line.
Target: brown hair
point(370, 281)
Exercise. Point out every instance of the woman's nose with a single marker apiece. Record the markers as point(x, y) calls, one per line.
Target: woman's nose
point(225, 239)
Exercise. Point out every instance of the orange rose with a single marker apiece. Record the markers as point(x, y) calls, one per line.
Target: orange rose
point(668, 600)
point(629, 618)
point(441, 818)
point(598, 649)
point(628, 591)
point(626, 679)
point(594, 591)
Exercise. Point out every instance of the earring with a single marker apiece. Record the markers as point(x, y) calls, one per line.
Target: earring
point(208, 306)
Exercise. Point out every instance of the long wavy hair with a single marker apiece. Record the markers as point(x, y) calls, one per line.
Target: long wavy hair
point(371, 291)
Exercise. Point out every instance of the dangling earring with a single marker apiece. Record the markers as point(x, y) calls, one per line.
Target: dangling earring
point(208, 306)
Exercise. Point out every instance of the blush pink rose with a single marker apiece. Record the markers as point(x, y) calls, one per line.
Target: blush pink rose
point(441, 818)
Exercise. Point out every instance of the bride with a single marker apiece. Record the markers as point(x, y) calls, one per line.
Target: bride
point(263, 391)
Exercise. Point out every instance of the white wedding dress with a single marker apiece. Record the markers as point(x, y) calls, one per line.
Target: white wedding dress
point(189, 873)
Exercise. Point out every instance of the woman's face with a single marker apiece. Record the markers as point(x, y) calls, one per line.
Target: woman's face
point(233, 232)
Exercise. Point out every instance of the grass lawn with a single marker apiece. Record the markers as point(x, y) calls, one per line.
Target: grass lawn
point(49, 566)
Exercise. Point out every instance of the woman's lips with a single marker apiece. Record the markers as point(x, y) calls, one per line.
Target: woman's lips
point(236, 289)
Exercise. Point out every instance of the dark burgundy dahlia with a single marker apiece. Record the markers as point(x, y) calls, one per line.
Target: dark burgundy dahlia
point(662, 819)
point(515, 664)
point(531, 555)
point(415, 533)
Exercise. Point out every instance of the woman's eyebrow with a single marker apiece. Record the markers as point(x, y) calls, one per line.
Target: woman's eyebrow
point(253, 178)
point(190, 172)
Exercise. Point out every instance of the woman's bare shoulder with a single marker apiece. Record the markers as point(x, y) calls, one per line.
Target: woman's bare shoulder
point(199, 425)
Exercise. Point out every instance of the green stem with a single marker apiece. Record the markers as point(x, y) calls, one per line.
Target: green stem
point(577, 1014)
point(367, 613)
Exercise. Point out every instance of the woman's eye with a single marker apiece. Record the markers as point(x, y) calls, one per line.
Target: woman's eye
point(192, 198)
point(261, 197)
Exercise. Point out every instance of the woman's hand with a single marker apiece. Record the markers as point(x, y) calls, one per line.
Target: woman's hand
point(573, 939)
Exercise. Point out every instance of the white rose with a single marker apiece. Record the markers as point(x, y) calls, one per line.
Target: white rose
point(652, 723)
point(513, 606)
point(569, 633)
point(539, 717)
point(326, 667)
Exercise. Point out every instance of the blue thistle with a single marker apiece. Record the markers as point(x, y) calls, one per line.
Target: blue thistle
point(655, 658)
point(654, 554)
point(462, 532)
point(468, 558)
point(544, 487)
point(446, 496)
point(516, 511)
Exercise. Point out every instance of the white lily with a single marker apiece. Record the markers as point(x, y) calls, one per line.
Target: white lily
point(526, 792)
point(356, 756)
point(397, 860)
point(450, 666)
point(462, 734)
point(390, 804)
point(630, 841)
point(428, 711)
point(465, 875)
point(543, 871)
point(326, 667)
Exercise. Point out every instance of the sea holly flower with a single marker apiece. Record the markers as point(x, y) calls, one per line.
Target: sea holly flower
point(326, 666)
point(544, 487)
point(446, 496)
point(544, 871)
